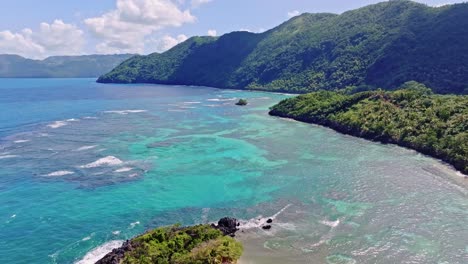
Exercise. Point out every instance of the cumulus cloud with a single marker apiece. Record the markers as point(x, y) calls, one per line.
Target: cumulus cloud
point(125, 28)
point(165, 43)
point(57, 38)
point(212, 33)
point(293, 13)
point(197, 3)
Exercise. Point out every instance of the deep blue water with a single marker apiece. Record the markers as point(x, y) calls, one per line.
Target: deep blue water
point(84, 166)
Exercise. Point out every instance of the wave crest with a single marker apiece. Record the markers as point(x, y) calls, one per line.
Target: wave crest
point(99, 252)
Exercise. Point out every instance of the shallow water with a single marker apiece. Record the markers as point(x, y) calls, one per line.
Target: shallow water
point(84, 166)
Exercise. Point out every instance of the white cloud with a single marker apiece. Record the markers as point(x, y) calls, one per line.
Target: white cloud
point(260, 30)
point(165, 43)
point(293, 13)
point(441, 4)
point(125, 28)
point(197, 3)
point(60, 38)
point(212, 33)
point(57, 38)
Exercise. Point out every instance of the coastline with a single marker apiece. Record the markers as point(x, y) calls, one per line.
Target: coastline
point(260, 89)
point(371, 137)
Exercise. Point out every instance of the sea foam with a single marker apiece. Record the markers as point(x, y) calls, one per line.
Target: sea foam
point(331, 223)
point(221, 99)
point(125, 112)
point(125, 169)
point(85, 148)
point(57, 124)
point(60, 173)
point(260, 221)
point(8, 156)
point(21, 141)
point(106, 161)
point(132, 225)
point(99, 252)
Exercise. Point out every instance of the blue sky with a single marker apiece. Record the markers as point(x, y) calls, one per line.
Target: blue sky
point(37, 29)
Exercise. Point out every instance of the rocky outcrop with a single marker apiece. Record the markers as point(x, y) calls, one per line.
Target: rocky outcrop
point(117, 254)
point(227, 225)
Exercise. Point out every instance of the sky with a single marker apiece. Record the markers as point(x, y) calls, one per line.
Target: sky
point(38, 29)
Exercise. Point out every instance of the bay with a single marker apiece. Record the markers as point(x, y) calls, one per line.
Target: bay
point(84, 165)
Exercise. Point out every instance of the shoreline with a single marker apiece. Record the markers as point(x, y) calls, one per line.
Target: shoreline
point(345, 130)
point(265, 89)
point(459, 173)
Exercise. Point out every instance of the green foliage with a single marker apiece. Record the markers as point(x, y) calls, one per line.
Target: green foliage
point(242, 102)
point(382, 45)
point(13, 66)
point(413, 117)
point(198, 244)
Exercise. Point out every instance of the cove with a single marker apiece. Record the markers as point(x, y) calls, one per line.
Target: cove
point(85, 165)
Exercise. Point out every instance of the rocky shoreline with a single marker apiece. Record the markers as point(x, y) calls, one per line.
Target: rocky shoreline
point(227, 227)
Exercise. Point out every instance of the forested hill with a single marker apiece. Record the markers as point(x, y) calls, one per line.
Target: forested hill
point(14, 66)
point(412, 117)
point(381, 45)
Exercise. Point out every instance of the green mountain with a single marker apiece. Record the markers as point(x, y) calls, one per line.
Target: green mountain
point(14, 66)
point(412, 117)
point(381, 45)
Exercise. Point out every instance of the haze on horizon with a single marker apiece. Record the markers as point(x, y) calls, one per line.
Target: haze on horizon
point(142, 26)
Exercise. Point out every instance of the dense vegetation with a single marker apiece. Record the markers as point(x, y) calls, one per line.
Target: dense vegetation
point(200, 244)
point(13, 66)
point(382, 45)
point(413, 117)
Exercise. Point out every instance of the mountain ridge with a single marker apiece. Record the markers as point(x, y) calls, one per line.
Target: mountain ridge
point(380, 45)
point(15, 66)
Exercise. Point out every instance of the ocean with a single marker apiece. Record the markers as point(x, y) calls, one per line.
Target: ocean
point(85, 166)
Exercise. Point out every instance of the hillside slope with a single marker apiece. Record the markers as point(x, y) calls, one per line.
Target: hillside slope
point(412, 117)
point(381, 45)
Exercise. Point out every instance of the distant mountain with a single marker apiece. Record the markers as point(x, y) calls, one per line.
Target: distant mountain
point(14, 66)
point(381, 45)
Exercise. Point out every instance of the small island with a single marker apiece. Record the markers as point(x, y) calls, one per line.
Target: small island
point(242, 102)
point(209, 244)
point(411, 117)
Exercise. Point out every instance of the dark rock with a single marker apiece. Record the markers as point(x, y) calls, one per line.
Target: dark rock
point(269, 221)
point(117, 254)
point(267, 227)
point(228, 226)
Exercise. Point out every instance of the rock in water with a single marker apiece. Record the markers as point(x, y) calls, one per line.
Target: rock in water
point(228, 226)
point(269, 221)
point(267, 227)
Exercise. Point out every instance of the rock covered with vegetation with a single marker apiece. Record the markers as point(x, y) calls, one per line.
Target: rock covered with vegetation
point(412, 117)
point(381, 45)
point(201, 244)
point(242, 102)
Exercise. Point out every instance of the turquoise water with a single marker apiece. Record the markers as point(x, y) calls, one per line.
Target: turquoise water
point(84, 166)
